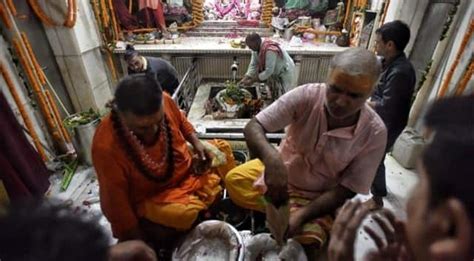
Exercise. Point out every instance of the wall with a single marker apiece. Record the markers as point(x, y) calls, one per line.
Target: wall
point(467, 12)
point(77, 52)
point(28, 23)
point(30, 107)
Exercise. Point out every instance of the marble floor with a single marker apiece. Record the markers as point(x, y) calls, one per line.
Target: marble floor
point(83, 195)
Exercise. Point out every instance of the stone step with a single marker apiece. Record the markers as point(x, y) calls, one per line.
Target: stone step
point(226, 24)
point(223, 34)
point(230, 30)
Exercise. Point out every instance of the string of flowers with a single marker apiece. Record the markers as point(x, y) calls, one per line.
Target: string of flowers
point(467, 36)
point(12, 7)
point(71, 15)
point(5, 18)
point(23, 113)
point(36, 88)
point(44, 18)
point(465, 79)
point(36, 65)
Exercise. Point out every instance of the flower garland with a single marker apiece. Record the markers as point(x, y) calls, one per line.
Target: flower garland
point(71, 15)
point(136, 152)
point(12, 7)
point(24, 114)
point(444, 87)
point(465, 79)
point(5, 17)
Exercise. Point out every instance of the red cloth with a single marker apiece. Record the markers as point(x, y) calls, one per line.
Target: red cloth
point(128, 21)
point(21, 169)
point(266, 46)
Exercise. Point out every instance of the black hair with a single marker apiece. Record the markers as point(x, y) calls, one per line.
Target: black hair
point(130, 52)
point(397, 31)
point(140, 94)
point(253, 38)
point(447, 159)
point(40, 230)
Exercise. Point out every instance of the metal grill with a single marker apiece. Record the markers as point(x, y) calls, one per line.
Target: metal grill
point(314, 69)
point(184, 94)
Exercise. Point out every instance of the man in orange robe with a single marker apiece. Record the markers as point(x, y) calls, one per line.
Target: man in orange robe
point(151, 185)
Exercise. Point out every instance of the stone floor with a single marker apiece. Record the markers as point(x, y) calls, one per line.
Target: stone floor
point(83, 194)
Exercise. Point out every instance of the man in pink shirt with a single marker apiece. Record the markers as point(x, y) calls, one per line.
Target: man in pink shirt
point(334, 143)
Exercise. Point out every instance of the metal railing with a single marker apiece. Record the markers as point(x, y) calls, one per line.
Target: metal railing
point(184, 94)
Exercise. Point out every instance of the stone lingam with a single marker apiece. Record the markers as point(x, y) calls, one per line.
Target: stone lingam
point(232, 101)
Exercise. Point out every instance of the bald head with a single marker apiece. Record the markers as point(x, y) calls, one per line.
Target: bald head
point(357, 62)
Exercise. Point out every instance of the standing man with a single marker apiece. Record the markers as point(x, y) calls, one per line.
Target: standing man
point(333, 145)
point(165, 72)
point(392, 96)
point(268, 60)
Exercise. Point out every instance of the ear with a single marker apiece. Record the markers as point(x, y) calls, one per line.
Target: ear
point(455, 238)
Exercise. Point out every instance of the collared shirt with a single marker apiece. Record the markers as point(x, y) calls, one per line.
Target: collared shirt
point(274, 65)
point(317, 159)
point(393, 94)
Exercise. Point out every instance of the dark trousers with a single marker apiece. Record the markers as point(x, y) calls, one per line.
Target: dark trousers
point(379, 186)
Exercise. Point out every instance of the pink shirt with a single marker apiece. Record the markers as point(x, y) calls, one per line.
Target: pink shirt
point(318, 159)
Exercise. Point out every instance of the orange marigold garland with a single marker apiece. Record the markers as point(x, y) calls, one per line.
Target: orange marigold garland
point(24, 114)
point(71, 16)
point(38, 69)
point(45, 19)
point(12, 7)
point(5, 17)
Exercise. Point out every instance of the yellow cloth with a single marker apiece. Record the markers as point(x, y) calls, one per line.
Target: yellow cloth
point(182, 216)
point(240, 184)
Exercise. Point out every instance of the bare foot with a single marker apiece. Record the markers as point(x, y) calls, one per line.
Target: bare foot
point(374, 203)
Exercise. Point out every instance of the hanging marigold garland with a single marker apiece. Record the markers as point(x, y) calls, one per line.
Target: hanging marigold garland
point(197, 15)
point(5, 17)
point(23, 113)
point(444, 88)
point(465, 79)
point(267, 12)
point(12, 7)
point(36, 65)
point(30, 74)
point(71, 15)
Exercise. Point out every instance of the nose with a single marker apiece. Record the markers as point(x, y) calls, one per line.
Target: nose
point(341, 100)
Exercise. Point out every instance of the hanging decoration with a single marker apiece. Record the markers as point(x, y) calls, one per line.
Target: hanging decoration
point(24, 115)
point(69, 21)
point(5, 17)
point(12, 7)
point(46, 106)
point(465, 79)
point(267, 7)
point(467, 37)
point(197, 14)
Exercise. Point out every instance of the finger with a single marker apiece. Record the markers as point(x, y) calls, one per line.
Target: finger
point(355, 221)
point(387, 229)
point(376, 238)
point(341, 220)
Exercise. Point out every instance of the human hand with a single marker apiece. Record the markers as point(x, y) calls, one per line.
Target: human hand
point(396, 247)
point(276, 179)
point(131, 250)
point(295, 225)
point(202, 158)
point(344, 231)
point(246, 81)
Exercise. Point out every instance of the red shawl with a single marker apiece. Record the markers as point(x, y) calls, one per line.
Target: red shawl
point(267, 45)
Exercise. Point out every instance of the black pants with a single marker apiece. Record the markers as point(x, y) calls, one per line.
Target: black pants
point(379, 186)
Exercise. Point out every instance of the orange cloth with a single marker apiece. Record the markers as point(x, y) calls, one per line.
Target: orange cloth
point(123, 188)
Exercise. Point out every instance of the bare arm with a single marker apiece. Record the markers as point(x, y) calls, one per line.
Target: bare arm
point(327, 203)
point(323, 205)
point(276, 176)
